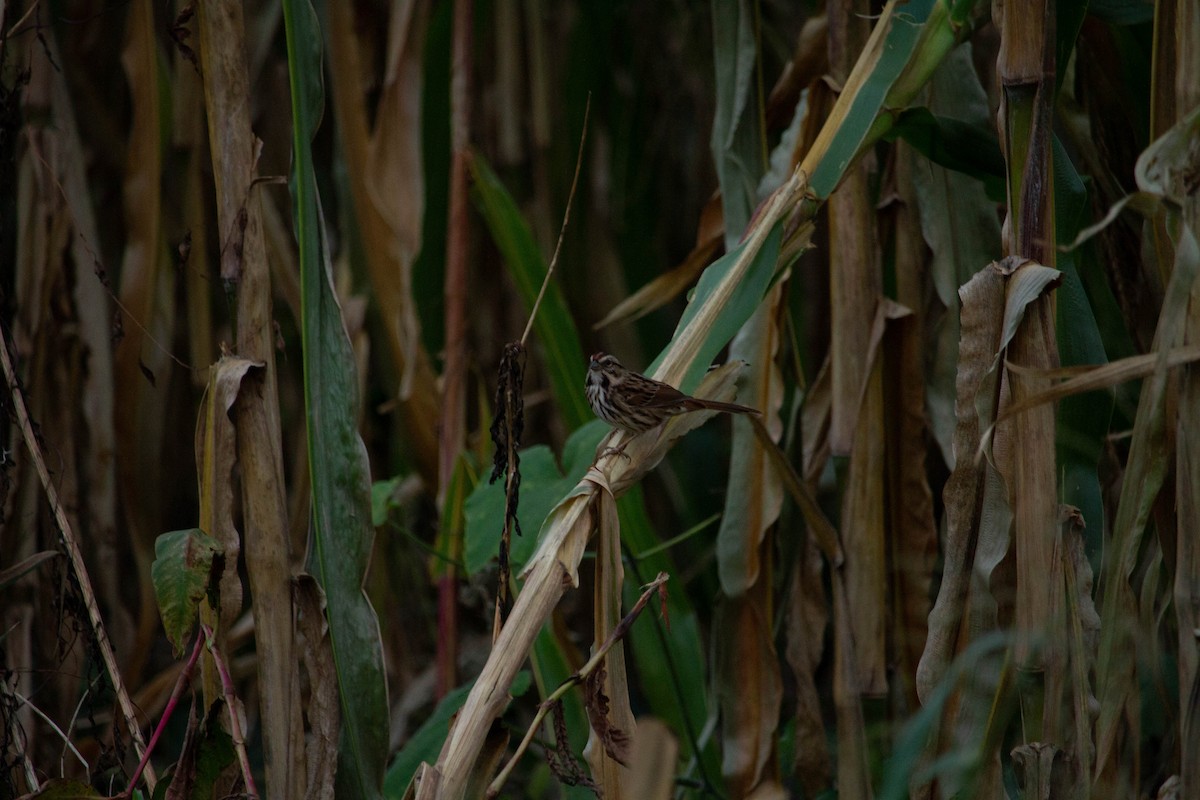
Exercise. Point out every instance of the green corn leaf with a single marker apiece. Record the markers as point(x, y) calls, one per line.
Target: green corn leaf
point(341, 487)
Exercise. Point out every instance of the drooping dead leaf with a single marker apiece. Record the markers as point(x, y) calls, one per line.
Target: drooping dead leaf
point(807, 619)
point(614, 740)
point(606, 691)
point(863, 513)
point(386, 181)
point(654, 747)
point(978, 522)
point(1081, 379)
point(561, 760)
point(216, 453)
point(1083, 627)
point(1123, 643)
point(814, 425)
point(810, 60)
point(755, 493)
point(323, 712)
point(912, 527)
point(506, 430)
point(982, 301)
point(749, 689)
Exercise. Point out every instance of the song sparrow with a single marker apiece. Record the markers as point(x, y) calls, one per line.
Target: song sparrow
point(634, 403)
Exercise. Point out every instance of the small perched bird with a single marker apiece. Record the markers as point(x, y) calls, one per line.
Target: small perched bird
point(635, 404)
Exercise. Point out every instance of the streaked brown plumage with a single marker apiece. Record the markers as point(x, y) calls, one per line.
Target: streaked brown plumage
point(634, 403)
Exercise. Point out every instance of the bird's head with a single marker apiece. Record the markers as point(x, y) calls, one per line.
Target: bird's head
point(603, 362)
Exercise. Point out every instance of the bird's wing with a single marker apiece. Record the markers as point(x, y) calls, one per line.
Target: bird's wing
point(665, 397)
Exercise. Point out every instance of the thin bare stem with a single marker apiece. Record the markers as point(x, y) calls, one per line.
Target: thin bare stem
point(577, 678)
point(181, 684)
point(587, 109)
point(454, 376)
point(17, 735)
point(235, 720)
point(77, 563)
point(24, 701)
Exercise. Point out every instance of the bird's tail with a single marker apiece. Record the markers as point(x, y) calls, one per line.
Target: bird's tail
point(695, 404)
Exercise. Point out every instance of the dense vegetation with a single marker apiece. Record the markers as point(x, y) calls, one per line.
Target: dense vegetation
point(284, 435)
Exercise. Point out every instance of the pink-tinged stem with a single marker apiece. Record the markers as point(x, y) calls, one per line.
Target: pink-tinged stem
point(235, 721)
point(185, 680)
point(456, 287)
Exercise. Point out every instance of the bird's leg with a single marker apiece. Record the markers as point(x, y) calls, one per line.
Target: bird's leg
point(620, 449)
point(615, 451)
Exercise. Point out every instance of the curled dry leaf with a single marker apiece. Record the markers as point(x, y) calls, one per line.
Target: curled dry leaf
point(606, 688)
point(750, 690)
point(561, 760)
point(216, 454)
point(324, 716)
point(614, 739)
point(508, 425)
point(755, 493)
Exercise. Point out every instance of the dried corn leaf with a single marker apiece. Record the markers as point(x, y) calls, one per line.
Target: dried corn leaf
point(1042, 771)
point(814, 425)
point(1033, 485)
point(855, 286)
point(863, 508)
point(982, 301)
point(242, 250)
point(755, 492)
point(1144, 473)
point(807, 619)
point(141, 363)
point(216, 453)
point(913, 535)
point(1083, 628)
point(386, 181)
point(395, 179)
point(654, 746)
point(853, 767)
point(324, 717)
point(749, 689)
point(1187, 463)
point(551, 570)
point(810, 60)
point(612, 725)
point(754, 501)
